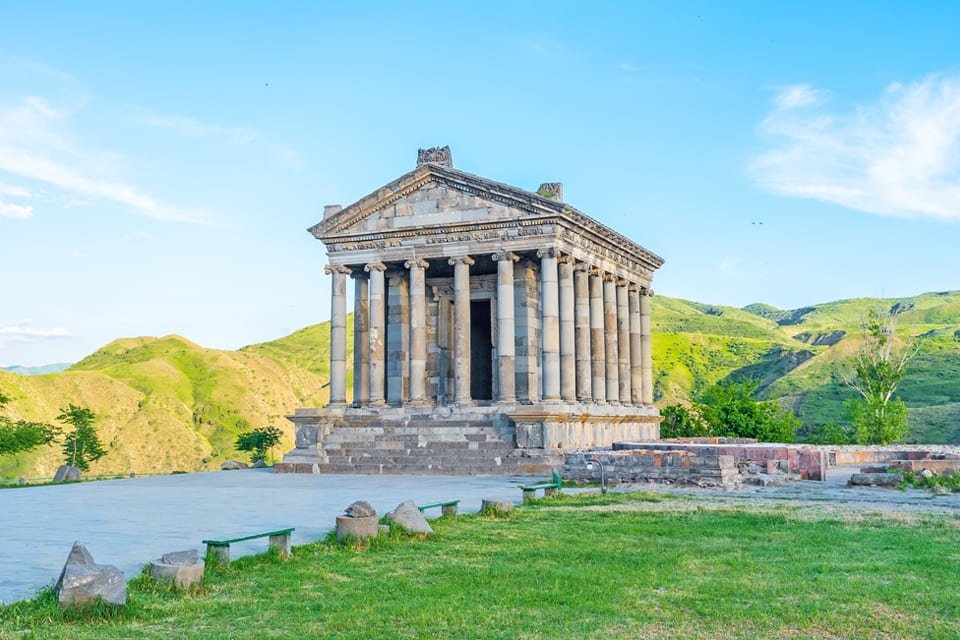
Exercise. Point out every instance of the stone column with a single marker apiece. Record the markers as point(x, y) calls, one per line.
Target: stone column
point(623, 341)
point(378, 332)
point(568, 372)
point(581, 295)
point(646, 351)
point(527, 310)
point(398, 334)
point(598, 378)
point(338, 334)
point(610, 333)
point(361, 338)
point(506, 328)
point(418, 330)
point(550, 321)
point(636, 358)
point(461, 329)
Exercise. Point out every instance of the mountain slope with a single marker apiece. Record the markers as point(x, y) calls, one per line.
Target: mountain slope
point(166, 403)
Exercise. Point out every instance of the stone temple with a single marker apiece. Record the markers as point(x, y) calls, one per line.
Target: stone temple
point(495, 330)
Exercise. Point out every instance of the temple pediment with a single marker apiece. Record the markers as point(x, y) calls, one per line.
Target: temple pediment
point(431, 196)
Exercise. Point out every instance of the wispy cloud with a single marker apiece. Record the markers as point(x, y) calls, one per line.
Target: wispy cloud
point(17, 211)
point(192, 127)
point(13, 191)
point(35, 143)
point(897, 156)
point(23, 332)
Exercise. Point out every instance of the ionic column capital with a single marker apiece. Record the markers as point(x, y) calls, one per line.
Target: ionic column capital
point(467, 260)
point(337, 268)
point(582, 266)
point(375, 266)
point(505, 256)
point(622, 282)
point(416, 263)
point(547, 252)
point(566, 260)
point(645, 291)
point(609, 277)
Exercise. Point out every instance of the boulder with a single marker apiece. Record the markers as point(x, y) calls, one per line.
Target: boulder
point(83, 582)
point(408, 517)
point(260, 464)
point(66, 473)
point(233, 465)
point(182, 568)
point(360, 509)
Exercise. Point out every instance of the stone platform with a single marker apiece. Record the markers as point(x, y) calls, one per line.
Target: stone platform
point(472, 440)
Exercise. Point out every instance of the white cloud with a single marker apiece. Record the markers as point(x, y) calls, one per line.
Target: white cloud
point(13, 191)
point(35, 144)
point(24, 333)
point(16, 211)
point(897, 156)
point(194, 128)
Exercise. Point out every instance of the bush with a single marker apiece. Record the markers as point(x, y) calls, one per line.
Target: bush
point(830, 434)
point(259, 441)
point(732, 411)
point(877, 422)
point(682, 422)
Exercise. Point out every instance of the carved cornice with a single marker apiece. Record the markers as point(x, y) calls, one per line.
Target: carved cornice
point(375, 266)
point(337, 268)
point(574, 226)
point(416, 263)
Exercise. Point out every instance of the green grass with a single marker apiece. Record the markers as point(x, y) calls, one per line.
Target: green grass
point(559, 570)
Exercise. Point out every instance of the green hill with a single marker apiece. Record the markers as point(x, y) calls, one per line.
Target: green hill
point(168, 404)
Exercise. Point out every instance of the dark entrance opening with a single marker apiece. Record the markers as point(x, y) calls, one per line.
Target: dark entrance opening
point(481, 351)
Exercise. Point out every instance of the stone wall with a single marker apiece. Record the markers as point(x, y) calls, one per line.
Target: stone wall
point(806, 461)
point(648, 465)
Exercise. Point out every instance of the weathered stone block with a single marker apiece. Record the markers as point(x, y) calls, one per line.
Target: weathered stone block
point(409, 518)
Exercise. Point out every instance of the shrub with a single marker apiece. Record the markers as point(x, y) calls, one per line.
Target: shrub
point(259, 441)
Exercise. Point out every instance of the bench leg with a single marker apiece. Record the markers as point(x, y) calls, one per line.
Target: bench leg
point(551, 492)
point(222, 554)
point(281, 544)
point(529, 495)
point(449, 510)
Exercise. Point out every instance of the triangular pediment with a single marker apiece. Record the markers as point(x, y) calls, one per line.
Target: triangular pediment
point(433, 196)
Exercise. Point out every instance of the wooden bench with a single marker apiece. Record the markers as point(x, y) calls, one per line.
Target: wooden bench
point(448, 508)
point(279, 540)
point(550, 489)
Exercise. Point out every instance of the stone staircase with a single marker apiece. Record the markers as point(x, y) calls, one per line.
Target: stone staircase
point(424, 446)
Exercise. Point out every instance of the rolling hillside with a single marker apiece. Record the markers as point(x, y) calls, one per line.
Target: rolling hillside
point(168, 404)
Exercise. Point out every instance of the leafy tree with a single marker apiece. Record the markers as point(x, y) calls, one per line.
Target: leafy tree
point(82, 445)
point(259, 441)
point(682, 422)
point(878, 368)
point(831, 433)
point(20, 436)
point(731, 410)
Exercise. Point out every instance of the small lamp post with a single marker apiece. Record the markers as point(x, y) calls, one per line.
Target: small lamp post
point(603, 473)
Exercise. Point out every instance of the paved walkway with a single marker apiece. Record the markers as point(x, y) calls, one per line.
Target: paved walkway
point(129, 522)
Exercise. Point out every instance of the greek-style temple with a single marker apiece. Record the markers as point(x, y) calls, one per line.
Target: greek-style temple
point(494, 329)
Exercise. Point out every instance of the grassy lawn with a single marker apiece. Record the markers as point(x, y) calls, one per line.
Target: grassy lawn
point(638, 567)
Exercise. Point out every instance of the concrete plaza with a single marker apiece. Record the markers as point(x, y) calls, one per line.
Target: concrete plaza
point(129, 522)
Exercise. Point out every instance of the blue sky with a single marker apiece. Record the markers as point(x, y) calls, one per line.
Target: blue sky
point(159, 163)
